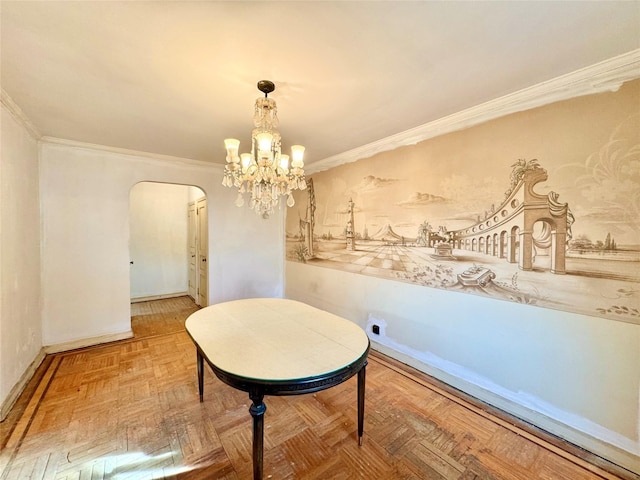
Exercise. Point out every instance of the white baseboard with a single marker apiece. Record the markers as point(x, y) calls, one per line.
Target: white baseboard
point(20, 386)
point(585, 434)
point(159, 297)
point(87, 342)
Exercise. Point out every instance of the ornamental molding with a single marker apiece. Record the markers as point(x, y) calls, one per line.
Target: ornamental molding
point(154, 158)
point(17, 113)
point(606, 76)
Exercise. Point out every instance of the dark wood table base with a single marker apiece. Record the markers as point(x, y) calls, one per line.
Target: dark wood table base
point(258, 389)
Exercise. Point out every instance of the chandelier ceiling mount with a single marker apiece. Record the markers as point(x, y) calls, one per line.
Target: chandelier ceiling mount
point(266, 87)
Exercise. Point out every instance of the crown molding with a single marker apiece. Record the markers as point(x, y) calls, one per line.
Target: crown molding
point(606, 76)
point(154, 157)
point(17, 113)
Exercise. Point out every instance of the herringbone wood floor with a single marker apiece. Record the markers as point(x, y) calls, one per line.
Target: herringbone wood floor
point(130, 410)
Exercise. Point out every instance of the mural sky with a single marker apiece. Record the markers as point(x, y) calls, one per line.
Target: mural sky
point(402, 189)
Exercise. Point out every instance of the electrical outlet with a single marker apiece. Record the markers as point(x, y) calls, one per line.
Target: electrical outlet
point(376, 329)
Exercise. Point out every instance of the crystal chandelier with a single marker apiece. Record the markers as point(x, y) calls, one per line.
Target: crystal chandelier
point(264, 173)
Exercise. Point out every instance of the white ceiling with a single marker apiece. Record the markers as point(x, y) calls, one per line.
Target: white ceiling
point(176, 78)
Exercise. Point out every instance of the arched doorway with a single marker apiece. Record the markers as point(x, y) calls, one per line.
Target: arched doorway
point(167, 254)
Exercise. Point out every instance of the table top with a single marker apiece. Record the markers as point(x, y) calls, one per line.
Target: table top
point(273, 339)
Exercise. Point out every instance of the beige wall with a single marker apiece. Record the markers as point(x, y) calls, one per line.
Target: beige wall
point(20, 293)
point(85, 242)
point(559, 362)
point(589, 148)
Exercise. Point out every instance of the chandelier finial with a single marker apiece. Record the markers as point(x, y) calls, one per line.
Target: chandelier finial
point(264, 173)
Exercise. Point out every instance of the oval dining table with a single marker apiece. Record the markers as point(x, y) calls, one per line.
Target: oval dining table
point(273, 346)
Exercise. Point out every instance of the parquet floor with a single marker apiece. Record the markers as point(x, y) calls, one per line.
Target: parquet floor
point(130, 410)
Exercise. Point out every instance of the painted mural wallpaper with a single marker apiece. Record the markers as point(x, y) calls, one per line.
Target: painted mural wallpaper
point(540, 207)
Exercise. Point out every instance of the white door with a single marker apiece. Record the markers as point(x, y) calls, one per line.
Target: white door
point(192, 252)
point(202, 251)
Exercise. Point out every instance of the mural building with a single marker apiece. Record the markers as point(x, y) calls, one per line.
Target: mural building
point(540, 207)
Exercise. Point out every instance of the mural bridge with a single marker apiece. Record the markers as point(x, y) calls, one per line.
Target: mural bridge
point(508, 231)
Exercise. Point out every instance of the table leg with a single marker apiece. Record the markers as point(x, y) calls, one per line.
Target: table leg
point(361, 381)
point(200, 364)
point(257, 410)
